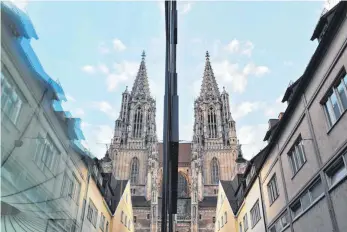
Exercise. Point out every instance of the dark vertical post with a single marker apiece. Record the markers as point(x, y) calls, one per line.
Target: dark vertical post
point(174, 143)
point(166, 122)
point(170, 133)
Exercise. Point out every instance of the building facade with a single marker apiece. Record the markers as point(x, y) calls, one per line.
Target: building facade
point(49, 182)
point(210, 157)
point(302, 178)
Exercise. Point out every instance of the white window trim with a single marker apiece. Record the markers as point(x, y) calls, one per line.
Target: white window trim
point(332, 166)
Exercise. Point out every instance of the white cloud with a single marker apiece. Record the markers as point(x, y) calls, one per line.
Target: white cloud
point(274, 109)
point(251, 68)
point(22, 4)
point(233, 46)
point(244, 48)
point(106, 108)
point(88, 69)
point(245, 108)
point(184, 7)
point(124, 71)
point(103, 68)
point(227, 72)
point(118, 45)
point(97, 137)
point(103, 49)
point(70, 98)
point(78, 112)
point(251, 138)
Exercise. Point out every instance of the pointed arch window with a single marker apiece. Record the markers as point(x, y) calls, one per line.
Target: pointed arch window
point(138, 123)
point(182, 186)
point(134, 171)
point(214, 171)
point(201, 121)
point(212, 123)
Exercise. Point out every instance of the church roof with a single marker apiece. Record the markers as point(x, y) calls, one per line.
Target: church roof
point(141, 85)
point(184, 153)
point(209, 86)
point(140, 201)
point(209, 201)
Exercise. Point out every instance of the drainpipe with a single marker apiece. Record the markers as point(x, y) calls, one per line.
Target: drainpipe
point(262, 203)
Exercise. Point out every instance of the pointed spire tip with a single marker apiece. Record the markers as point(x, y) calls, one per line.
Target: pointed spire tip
point(207, 55)
point(143, 55)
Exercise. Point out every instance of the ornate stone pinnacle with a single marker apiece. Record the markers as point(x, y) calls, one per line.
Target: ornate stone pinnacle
point(207, 55)
point(143, 55)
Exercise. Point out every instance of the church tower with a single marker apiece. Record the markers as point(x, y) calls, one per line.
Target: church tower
point(214, 145)
point(134, 147)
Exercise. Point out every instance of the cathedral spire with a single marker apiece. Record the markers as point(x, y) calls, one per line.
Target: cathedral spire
point(141, 86)
point(209, 85)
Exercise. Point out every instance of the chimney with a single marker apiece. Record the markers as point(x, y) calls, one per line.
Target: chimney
point(280, 115)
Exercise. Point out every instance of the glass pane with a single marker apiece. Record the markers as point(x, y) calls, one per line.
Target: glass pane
point(335, 105)
point(329, 115)
point(337, 173)
point(305, 201)
point(341, 89)
point(316, 190)
point(331, 111)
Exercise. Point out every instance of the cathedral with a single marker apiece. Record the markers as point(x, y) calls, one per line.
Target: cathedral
point(136, 155)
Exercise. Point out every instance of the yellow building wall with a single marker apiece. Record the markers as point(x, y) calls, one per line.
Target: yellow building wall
point(223, 206)
point(94, 194)
point(124, 206)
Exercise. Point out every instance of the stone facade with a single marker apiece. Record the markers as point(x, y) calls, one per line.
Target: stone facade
point(210, 157)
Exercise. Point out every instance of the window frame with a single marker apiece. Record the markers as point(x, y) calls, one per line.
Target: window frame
point(272, 189)
point(330, 116)
point(295, 155)
point(299, 203)
point(245, 222)
point(334, 167)
point(17, 106)
point(255, 211)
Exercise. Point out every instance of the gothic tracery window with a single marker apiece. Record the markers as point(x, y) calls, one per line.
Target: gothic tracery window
point(137, 123)
point(212, 123)
point(134, 171)
point(214, 171)
point(182, 186)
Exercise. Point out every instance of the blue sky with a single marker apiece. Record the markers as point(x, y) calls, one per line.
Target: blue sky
point(94, 50)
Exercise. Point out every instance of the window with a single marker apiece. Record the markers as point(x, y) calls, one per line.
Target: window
point(11, 102)
point(280, 223)
point(336, 100)
point(214, 171)
point(71, 187)
point(92, 215)
point(222, 219)
point(245, 222)
point(240, 227)
point(226, 217)
point(212, 123)
point(125, 220)
point(272, 189)
point(148, 216)
point(121, 217)
point(46, 154)
point(215, 191)
point(297, 156)
point(137, 123)
point(134, 219)
point(248, 179)
point(200, 216)
point(106, 227)
point(133, 191)
point(337, 171)
point(307, 198)
point(102, 222)
point(134, 172)
point(214, 219)
point(255, 214)
point(182, 186)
